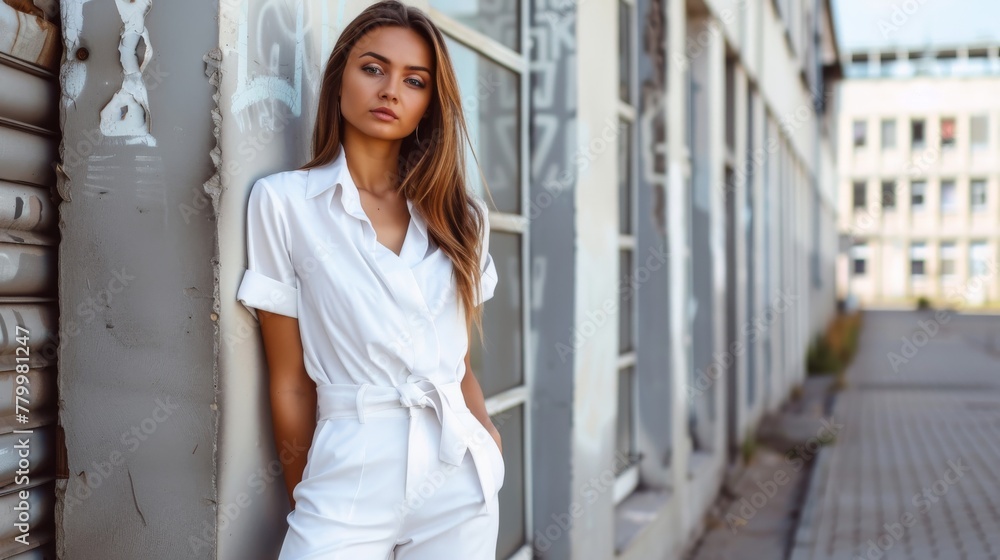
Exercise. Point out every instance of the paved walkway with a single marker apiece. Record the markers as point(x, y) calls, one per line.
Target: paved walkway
point(915, 471)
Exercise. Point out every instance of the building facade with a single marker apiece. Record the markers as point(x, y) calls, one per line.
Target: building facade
point(920, 176)
point(664, 174)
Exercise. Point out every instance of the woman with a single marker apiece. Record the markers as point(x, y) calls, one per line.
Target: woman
point(366, 269)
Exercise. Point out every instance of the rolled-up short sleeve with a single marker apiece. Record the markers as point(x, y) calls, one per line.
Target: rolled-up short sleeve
point(486, 265)
point(269, 280)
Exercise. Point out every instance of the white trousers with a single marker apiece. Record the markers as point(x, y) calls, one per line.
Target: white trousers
point(375, 486)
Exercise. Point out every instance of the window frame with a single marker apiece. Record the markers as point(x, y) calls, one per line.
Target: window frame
point(892, 200)
point(859, 142)
point(894, 136)
point(914, 143)
point(981, 207)
point(513, 223)
point(627, 480)
point(948, 253)
point(859, 255)
point(952, 206)
point(855, 186)
point(948, 143)
point(985, 143)
point(918, 254)
point(923, 196)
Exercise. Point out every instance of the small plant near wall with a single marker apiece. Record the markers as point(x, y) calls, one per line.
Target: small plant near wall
point(832, 351)
point(923, 303)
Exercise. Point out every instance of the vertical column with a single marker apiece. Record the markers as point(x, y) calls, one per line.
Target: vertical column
point(553, 176)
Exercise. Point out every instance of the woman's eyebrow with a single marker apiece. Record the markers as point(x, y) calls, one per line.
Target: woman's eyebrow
point(386, 60)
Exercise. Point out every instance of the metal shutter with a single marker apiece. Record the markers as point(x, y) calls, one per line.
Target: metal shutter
point(30, 51)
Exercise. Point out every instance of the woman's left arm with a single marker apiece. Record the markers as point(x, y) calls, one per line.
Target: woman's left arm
point(475, 400)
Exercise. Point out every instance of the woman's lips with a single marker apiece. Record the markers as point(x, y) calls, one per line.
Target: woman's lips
point(384, 114)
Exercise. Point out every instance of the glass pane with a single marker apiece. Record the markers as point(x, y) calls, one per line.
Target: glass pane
point(624, 52)
point(917, 132)
point(949, 200)
point(948, 132)
point(888, 194)
point(491, 100)
point(978, 259)
point(624, 177)
point(510, 423)
point(860, 130)
point(888, 134)
point(626, 301)
point(625, 427)
point(497, 19)
point(977, 193)
point(859, 195)
point(917, 194)
point(979, 130)
point(497, 363)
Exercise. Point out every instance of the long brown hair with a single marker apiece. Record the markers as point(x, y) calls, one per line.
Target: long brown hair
point(431, 172)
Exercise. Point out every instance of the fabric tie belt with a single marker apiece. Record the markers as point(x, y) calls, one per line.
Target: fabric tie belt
point(458, 434)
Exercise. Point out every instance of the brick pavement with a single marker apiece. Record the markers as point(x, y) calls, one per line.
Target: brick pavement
point(915, 472)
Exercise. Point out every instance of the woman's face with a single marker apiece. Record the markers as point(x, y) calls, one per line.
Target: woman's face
point(387, 86)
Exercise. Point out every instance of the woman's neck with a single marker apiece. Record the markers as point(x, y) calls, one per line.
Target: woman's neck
point(372, 162)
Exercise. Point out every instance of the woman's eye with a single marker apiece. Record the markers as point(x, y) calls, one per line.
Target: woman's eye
point(370, 69)
point(416, 82)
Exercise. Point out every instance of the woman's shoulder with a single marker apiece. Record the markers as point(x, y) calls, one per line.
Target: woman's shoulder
point(283, 185)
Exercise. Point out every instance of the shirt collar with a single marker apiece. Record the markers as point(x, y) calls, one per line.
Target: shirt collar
point(335, 174)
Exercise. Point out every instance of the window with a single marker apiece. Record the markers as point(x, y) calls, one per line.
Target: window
point(918, 258)
point(949, 198)
point(948, 254)
point(948, 132)
point(626, 440)
point(486, 41)
point(979, 131)
point(977, 195)
point(860, 131)
point(918, 190)
point(497, 19)
point(917, 133)
point(860, 194)
point(888, 195)
point(859, 258)
point(888, 134)
point(979, 260)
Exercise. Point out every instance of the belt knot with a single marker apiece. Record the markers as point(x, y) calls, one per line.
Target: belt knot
point(411, 395)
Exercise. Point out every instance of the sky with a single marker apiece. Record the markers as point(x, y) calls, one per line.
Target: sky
point(915, 23)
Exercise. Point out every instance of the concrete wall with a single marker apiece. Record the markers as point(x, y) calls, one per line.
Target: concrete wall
point(137, 282)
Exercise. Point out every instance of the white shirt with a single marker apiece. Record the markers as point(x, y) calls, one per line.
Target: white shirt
point(366, 315)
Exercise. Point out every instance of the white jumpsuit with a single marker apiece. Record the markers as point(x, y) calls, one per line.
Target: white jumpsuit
point(399, 468)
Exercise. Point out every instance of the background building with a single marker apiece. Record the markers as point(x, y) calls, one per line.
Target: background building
point(920, 175)
point(664, 174)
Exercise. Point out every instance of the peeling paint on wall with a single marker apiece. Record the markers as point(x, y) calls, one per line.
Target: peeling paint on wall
point(127, 115)
point(73, 73)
